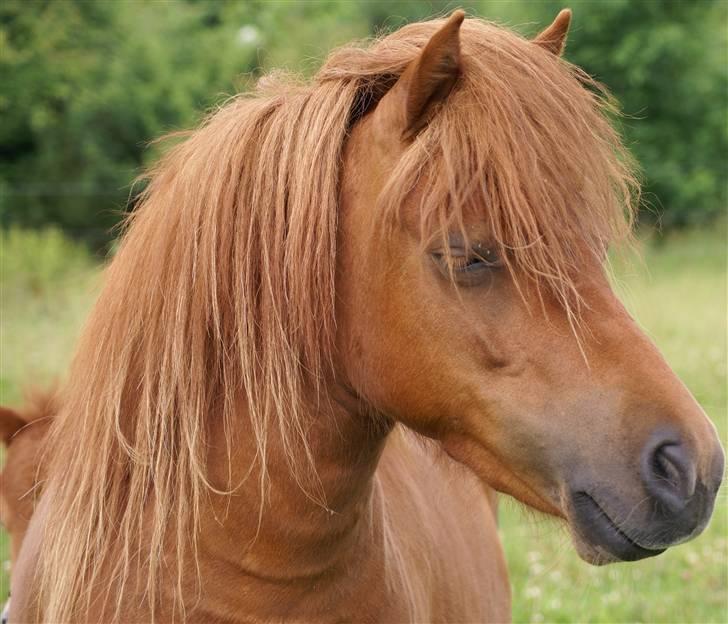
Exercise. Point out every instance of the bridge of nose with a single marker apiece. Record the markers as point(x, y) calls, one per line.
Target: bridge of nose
point(655, 402)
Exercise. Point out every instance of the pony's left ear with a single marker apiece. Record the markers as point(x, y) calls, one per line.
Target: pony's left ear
point(428, 79)
point(553, 38)
point(10, 424)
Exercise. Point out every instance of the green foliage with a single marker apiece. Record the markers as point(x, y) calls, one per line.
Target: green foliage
point(667, 63)
point(34, 261)
point(87, 85)
point(46, 288)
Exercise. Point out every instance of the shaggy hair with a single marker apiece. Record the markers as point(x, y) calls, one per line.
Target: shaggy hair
point(224, 286)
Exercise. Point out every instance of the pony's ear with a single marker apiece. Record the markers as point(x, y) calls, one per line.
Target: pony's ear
point(428, 79)
point(10, 423)
point(553, 38)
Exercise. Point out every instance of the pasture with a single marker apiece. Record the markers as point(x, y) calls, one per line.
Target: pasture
point(677, 290)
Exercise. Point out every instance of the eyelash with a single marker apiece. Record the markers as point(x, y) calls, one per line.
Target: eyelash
point(479, 257)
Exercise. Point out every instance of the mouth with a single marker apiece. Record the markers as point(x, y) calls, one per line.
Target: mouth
point(603, 540)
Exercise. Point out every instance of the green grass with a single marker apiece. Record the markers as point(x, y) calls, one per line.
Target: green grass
point(47, 285)
point(677, 291)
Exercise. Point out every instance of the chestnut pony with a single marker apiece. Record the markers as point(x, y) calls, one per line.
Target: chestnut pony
point(22, 433)
point(321, 277)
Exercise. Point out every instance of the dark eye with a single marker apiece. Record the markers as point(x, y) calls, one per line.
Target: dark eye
point(480, 256)
point(468, 264)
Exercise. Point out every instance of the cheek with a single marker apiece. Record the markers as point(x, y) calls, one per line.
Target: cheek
point(416, 346)
point(389, 338)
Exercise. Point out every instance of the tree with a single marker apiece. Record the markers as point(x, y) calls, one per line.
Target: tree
point(87, 85)
point(666, 61)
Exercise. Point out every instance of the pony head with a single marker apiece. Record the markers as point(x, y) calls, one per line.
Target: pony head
point(479, 198)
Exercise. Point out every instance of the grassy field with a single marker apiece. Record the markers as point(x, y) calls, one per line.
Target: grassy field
point(678, 293)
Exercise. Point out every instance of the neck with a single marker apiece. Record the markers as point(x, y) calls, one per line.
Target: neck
point(302, 527)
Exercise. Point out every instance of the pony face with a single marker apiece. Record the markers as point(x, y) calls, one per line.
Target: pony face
point(455, 323)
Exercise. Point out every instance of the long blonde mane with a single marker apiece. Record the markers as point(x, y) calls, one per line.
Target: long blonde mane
point(224, 283)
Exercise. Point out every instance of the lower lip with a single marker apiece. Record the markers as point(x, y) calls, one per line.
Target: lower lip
point(595, 526)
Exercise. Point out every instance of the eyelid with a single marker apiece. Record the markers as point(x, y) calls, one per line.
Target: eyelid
point(466, 268)
point(479, 251)
point(483, 252)
point(454, 252)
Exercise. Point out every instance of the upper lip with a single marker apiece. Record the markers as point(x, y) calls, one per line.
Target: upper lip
point(598, 528)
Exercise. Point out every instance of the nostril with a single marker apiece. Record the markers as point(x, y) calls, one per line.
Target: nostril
point(671, 466)
point(663, 468)
point(669, 474)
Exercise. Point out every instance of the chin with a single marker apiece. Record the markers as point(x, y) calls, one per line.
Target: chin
point(597, 538)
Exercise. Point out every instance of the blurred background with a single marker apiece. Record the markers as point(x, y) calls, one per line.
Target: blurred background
point(85, 87)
